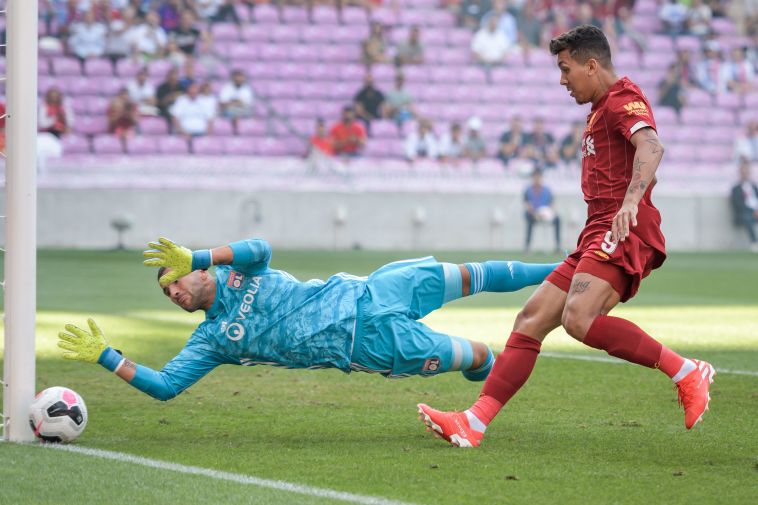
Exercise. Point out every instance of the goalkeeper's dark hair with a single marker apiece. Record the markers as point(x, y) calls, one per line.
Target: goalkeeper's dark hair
point(584, 42)
point(161, 271)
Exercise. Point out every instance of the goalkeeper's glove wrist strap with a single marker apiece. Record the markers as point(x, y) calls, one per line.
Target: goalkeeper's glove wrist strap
point(202, 259)
point(110, 359)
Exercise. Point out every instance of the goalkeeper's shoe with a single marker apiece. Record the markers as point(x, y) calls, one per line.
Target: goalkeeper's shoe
point(694, 392)
point(451, 426)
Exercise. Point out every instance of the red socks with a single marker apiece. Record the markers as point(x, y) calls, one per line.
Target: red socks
point(512, 367)
point(625, 340)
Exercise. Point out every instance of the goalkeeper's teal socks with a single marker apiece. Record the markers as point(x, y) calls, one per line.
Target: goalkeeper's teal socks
point(504, 276)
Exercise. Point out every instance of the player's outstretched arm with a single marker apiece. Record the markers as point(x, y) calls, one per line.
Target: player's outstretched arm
point(251, 255)
point(647, 157)
point(91, 347)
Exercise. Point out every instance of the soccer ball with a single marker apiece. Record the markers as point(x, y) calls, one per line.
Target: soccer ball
point(58, 414)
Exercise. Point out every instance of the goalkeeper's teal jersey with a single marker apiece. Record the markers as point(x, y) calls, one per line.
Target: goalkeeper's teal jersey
point(266, 316)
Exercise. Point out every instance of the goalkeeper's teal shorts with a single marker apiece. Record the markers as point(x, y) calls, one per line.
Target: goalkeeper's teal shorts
point(388, 338)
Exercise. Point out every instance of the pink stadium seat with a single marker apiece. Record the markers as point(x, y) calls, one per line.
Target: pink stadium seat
point(106, 144)
point(285, 34)
point(270, 146)
point(239, 146)
point(153, 125)
point(303, 53)
point(310, 90)
point(348, 34)
point(157, 69)
point(273, 53)
point(384, 130)
point(440, 18)
point(225, 32)
point(283, 89)
point(65, 66)
point(729, 101)
point(109, 86)
point(325, 15)
point(266, 13)
point(222, 127)
point(251, 127)
point(352, 72)
point(90, 125)
point(128, 68)
point(459, 37)
point(339, 53)
point(207, 145)
point(295, 15)
point(99, 67)
point(141, 145)
point(255, 33)
point(97, 105)
point(260, 70)
point(291, 71)
point(80, 106)
point(314, 34)
point(172, 145)
point(353, 16)
point(75, 144)
point(239, 52)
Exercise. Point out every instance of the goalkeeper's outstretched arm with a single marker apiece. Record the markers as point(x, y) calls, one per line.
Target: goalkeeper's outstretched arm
point(179, 374)
point(251, 256)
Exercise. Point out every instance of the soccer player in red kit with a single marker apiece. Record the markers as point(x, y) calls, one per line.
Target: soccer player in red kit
point(620, 245)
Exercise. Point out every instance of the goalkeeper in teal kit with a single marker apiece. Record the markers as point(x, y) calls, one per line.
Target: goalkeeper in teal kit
point(256, 315)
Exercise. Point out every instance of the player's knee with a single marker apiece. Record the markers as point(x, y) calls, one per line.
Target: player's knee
point(481, 353)
point(483, 361)
point(575, 321)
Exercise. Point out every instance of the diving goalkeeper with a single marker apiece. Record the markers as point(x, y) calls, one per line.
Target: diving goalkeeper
point(257, 315)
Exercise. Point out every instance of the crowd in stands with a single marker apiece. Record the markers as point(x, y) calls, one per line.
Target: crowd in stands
point(204, 91)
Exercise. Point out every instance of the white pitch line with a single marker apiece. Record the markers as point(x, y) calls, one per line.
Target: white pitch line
point(615, 361)
point(228, 476)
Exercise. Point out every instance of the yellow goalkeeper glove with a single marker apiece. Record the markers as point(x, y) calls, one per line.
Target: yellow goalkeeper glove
point(180, 260)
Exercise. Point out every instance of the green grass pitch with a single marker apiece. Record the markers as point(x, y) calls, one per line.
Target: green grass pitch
point(578, 432)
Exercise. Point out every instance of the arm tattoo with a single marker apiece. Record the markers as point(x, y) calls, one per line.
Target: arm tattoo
point(128, 364)
point(580, 287)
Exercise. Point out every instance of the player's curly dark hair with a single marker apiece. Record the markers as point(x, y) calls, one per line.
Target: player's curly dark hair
point(584, 42)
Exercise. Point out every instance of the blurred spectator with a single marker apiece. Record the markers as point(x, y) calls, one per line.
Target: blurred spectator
point(708, 69)
point(208, 59)
point(117, 44)
point(148, 39)
point(398, 103)
point(321, 150)
point(685, 69)
point(673, 16)
point(421, 142)
point(185, 35)
point(471, 12)
point(451, 144)
point(123, 115)
point(368, 102)
point(474, 147)
point(672, 91)
point(490, 47)
point(744, 201)
point(539, 146)
point(529, 27)
point(587, 15)
point(374, 48)
point(506, 22)
point(225, 13)
point(511, 141)
point(625, 28)
point(188, 73)
point(55, 113)
point(169, 12)
point(176, 56)
point(348, 135)
point(746, 146)
point(167, 93)
point(572, 143)
point(190, 114)
point(410, 52)
point(209, 100)
point(87, 39)
point(699, 18)
point(737, 75)
point(538, 200)
point(142, 92)
point(236, 99)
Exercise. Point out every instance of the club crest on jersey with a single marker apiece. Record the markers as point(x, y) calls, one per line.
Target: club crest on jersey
point(431, 365)
point(235, 280)
point(636, 109)
point(588, 146)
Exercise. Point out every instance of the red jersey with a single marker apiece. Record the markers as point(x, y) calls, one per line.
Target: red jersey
point(346, 137)
point(607, 157)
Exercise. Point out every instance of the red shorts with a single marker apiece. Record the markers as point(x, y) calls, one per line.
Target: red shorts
point(623, 265)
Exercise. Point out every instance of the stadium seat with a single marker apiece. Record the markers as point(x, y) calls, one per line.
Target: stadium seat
point(225, 32)
point(106, 144)
point(75, 144)
point(153, 125)
point(142, 144)
point(209, 145)
point(172, 145)
point(90, 125)
point(99, 67)
point(65, 66)
point(239, 146)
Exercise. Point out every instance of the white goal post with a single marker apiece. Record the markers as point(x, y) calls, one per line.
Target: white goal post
point(19, 381)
